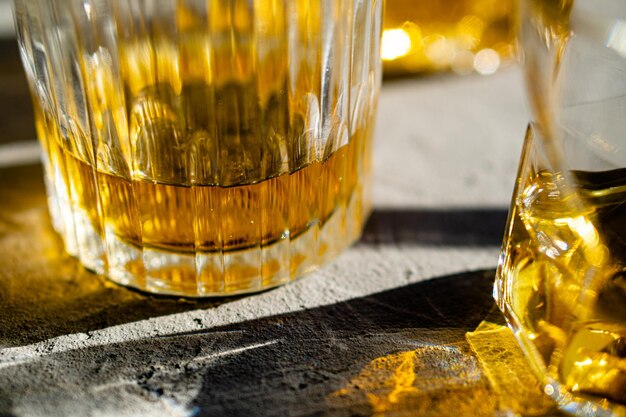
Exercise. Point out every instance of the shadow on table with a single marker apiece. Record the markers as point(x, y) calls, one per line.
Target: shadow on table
point(16, 115)
point(349, 358)
point(478, 227)
point(45, 293)
point(355, 357)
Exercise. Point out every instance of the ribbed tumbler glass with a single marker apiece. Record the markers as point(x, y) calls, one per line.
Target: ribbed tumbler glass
point(206, 147)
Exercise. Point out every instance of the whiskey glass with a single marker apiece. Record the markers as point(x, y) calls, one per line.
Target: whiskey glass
point(561, 279)
point(204, 148)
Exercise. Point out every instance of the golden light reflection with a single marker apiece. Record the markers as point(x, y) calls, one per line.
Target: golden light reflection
point(394, 44)
point(505, 366)
point(435, 380)
point(461, 35)
point(470, 30)
point(400, 382)
point(591, 363)
point(485, 375)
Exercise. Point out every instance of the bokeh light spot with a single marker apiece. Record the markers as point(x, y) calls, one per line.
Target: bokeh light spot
point(396, 43)
point(486, 61)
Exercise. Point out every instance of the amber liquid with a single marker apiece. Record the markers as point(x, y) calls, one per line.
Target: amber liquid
point(202, 170)
point(209, 218)
point(195, 218)
point(564, 268)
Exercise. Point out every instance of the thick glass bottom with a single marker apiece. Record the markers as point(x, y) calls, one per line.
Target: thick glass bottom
point(559, 282)
point(203, 273)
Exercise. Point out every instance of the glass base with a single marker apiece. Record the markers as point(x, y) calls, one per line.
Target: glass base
point(543, 284)
point(206, 274)
point(577, 405)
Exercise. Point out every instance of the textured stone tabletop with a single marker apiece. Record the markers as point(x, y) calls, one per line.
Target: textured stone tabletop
point(383, 330)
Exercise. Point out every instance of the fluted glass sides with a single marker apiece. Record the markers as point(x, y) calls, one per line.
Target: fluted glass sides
point(204, 147)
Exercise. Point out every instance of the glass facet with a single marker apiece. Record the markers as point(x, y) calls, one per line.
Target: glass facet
point(561, 277)
point(204, 147)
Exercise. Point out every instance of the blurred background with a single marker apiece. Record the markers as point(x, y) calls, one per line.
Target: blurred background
point(6, 19)
point(462, 36)
point(16, 120)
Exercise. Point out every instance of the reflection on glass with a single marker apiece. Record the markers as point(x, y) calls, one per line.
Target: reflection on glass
point(484, 375)
point(504, 365)
point(560, 281)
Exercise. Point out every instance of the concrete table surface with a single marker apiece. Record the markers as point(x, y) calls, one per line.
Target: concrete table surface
point(380, 331)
